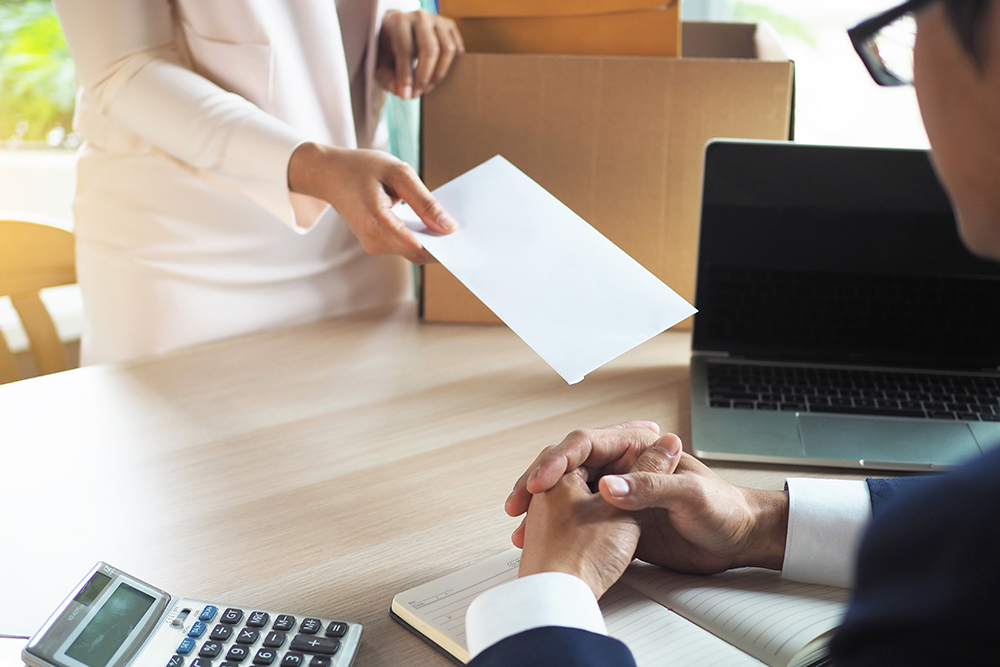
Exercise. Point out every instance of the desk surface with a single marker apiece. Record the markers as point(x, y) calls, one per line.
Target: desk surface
point(320, 469)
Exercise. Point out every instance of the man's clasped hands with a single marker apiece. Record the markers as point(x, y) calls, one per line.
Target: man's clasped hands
point(605, 496)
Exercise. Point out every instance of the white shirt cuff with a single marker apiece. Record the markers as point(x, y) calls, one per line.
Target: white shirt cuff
point(535, 601)
point(826, 519)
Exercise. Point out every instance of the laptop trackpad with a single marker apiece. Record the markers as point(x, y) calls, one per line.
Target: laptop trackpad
point(899, 442)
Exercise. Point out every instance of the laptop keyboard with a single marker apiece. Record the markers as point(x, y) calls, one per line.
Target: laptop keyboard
point(851, 391)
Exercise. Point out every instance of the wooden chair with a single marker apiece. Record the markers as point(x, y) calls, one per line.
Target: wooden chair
point(35, 253)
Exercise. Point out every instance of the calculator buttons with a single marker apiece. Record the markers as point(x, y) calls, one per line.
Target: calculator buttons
point(231, 616)
point(241, 637)
point(238, 653)
point(247, 636)
point(284, 623)
point(210, 649)
point(265, 656)
point(336, 629)
point(315, 645)
point(258, 619)
point(310, 626)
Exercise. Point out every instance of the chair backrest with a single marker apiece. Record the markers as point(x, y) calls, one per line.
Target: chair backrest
point(35, 253)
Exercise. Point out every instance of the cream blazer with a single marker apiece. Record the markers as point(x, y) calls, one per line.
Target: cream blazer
point(189, 111)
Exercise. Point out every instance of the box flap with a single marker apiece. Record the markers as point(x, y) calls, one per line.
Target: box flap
point(511, 8)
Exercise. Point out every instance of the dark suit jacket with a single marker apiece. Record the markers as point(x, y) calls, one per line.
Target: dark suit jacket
point(927, 592)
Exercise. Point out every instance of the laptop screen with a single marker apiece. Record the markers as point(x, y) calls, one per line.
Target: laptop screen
point(842, 255)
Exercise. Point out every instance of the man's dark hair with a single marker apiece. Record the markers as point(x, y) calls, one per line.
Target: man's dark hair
point(967, 16)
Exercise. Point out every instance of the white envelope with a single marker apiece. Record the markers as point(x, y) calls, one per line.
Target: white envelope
point(573, 296)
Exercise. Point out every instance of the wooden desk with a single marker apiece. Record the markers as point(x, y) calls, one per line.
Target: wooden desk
point(319, 469)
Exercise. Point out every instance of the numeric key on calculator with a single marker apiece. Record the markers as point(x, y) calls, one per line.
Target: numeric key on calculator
point(238, 653)
point(265, 656)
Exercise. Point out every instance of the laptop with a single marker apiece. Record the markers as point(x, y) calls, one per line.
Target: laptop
point(841, 322)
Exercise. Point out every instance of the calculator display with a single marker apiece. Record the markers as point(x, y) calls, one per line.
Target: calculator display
point(100, 640)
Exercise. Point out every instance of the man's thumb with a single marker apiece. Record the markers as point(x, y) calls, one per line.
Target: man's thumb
point(643, 486)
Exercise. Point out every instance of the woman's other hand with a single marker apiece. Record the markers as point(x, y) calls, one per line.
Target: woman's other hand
point(430, 40)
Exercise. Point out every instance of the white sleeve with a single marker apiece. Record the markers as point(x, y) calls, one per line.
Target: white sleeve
point(131, 68)
point(826, 519)
point(535, 601)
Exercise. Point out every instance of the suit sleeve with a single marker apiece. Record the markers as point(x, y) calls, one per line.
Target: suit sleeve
point(928, 579)
point(134, 75)
point(556, 647)
point(882, 491)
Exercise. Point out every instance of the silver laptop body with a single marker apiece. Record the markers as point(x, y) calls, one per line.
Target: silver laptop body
point(841, 321)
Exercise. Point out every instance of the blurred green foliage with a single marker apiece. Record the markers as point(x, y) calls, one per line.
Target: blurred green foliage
point(786, 26)
point(36, 73)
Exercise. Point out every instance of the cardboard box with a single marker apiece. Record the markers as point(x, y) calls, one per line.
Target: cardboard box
point(641, 32)
point(481, 8)
point(620, 140)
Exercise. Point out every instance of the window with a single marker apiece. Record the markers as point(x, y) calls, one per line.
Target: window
point(836, 100)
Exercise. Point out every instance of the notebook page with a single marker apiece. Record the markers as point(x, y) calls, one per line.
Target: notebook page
point(753, 609)
point(657, 636)
point(442, 603)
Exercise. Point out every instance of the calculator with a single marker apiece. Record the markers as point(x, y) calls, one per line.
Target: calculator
point(112, 620)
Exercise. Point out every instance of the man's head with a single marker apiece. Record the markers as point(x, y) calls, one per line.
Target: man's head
point(956, 71)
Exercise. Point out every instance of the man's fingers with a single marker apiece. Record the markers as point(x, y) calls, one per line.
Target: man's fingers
point(517, 537)
point(663, 456)
point(643, 490)
point(651, 482)
point(591, 448)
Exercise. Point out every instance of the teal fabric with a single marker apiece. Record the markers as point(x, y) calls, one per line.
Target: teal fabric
point(403, 119)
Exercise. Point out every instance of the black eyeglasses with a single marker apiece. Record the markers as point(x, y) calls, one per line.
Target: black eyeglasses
point(885, 43)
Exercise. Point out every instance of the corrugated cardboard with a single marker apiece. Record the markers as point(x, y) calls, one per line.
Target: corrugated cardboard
point(482, 8)
point(568, 27)
point(642, 32)
point(619, 140)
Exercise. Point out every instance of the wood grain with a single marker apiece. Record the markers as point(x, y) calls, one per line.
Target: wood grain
point(319, 469)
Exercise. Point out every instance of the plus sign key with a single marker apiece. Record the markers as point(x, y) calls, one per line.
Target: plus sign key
point(321, 645)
